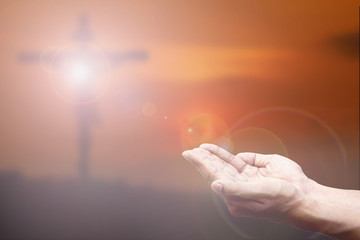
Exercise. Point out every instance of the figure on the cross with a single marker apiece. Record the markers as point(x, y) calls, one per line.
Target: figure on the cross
point(80, 67)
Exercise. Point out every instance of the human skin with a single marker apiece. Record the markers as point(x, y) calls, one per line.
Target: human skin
point(275, 187)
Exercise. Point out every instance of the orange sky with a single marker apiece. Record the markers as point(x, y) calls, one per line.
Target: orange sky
point(223, 59)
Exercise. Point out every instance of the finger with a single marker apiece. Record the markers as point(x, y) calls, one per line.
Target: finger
point(246, 190)
point(225, 188)
point(235, 161)
point(203, 162)
point(188, 155)
point(197, 156)
point(254, 159)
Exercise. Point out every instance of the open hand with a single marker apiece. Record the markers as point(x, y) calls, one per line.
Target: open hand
point(251, 184)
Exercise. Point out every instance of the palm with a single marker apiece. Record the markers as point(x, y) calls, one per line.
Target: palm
point(255, 178)
point(214, 163)
point(272, 166)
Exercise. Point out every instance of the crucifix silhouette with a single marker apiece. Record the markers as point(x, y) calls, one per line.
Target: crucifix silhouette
point(81, 75)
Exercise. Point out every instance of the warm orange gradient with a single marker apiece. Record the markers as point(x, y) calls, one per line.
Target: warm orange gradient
point(225, 59)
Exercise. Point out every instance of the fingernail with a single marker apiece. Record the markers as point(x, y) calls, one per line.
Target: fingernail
point(217, 187)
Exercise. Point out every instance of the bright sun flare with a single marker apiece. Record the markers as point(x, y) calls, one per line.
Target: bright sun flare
point(80, 72)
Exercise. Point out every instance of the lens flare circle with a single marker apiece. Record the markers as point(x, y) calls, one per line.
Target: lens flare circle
point(299, 114)
point(257, 139)
point(80, 73)
point(202, 128)
point(248, 139)
point(272, 123)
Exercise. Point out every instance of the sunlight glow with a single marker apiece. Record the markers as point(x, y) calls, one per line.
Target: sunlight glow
point(80, 72)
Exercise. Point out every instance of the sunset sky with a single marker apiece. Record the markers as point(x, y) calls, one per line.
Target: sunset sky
point(268, 76)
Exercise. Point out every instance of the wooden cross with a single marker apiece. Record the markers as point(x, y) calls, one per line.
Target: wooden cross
point(87, 114)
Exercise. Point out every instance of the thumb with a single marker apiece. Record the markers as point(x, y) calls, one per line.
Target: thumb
point(217, 187)
point(225, 188)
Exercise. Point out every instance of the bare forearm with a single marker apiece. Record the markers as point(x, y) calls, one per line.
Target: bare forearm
point(351, 198)
point(334, 212)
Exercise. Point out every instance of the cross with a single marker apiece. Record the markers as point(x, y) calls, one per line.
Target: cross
point(87, 111)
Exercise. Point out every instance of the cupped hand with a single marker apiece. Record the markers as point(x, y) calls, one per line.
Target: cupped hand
point(252, 184)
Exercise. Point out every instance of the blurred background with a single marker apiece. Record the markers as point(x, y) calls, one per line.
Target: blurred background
point(99, 99)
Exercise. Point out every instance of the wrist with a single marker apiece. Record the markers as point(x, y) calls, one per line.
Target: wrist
point(326, 210)
point(307, 214)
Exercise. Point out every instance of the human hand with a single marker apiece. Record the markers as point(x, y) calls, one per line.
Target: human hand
point(251, 184)
point(275, 187)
